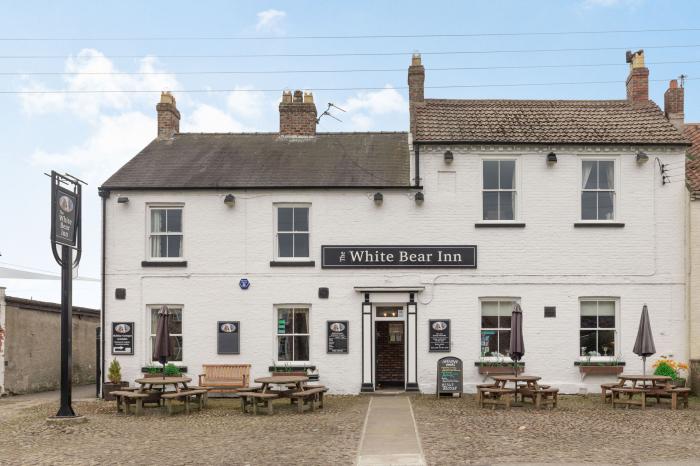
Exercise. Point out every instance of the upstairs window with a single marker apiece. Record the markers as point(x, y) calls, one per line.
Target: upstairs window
point(165, 239)
point(499, 191)
point(292, 232)
point(598, 190)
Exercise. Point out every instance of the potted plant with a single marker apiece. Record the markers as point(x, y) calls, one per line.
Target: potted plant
point(114, 375)
point(151, 370)
point(498, 366)
point(171, 370)
point(588, 366)
point(671, 368)
point(286, 369)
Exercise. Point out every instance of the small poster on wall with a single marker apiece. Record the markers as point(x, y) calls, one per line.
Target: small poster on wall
point(228, 339)
point(337, 336)
point(439, 334)
point(123, 338)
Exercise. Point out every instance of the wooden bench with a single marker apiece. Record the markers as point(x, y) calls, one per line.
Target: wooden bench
point(319, 395)
point(224, 378)
point(480, 394)
point(606, 390)
point(125, 398)
point(186, 396)
point(496, 396)
point(619, 399)
point(673, 393)
point(309, 396)
point(541, 396)
point(255, 398)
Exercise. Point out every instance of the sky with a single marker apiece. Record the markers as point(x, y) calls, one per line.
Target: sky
point(91, 135)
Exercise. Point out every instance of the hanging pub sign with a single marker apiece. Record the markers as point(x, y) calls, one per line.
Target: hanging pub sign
point(64, 215)
point(439, 336)
point(449, 375)
point(337, 331)
point(228, 339)
point(123, 338)
point(460, 257)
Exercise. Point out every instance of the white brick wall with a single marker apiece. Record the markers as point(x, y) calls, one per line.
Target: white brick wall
point(547, 263)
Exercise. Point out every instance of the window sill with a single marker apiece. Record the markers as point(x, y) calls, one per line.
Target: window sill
point(599, 363)
point(292, 263)
point(154, 263)
point(599, 225)
point(499, 225)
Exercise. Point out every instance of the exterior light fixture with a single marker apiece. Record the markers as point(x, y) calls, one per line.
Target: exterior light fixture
point(449, 157)
point(551, 158)
point(230, 200)
point(122, 200)
point(642, 157)
point(378, 198)
point(419, 198)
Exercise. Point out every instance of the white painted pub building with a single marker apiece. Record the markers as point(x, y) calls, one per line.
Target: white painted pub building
point(366, 257)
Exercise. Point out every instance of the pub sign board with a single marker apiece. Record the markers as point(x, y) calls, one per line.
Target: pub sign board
point(450, 375)
point(65, 208)
point(337, 331)
point(456, 257)
point(228, 339)
point(439, 336)
point(123, 338)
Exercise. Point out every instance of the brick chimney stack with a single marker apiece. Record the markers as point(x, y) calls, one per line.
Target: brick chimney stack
point(673, 104)
point(168, 116)
point(297, 114)
point(638, 79)
point(416, 87)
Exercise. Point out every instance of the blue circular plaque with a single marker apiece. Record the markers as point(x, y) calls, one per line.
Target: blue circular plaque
point(244, 283)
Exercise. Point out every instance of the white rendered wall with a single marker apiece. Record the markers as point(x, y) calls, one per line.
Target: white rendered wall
point(547, 263)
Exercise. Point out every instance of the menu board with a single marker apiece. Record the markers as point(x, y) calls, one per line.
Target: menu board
point(337, 336)
point(449, 375)
point(228, 339)
point(439, 335)
point(123, 338)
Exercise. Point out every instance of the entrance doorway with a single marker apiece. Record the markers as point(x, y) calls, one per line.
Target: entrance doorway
point(390, 348)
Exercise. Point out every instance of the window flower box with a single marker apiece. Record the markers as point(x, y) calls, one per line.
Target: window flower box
point(600, 367)
point(498, 368)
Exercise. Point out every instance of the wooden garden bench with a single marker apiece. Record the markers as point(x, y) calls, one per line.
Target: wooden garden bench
point(674, 394)
point(186, 396)
point(606, 390)
point(308, 396)
point(125, 398)
point(541, 396)
point(225, 378)
point(496, 396)
point(619, 399)
point(255, 398)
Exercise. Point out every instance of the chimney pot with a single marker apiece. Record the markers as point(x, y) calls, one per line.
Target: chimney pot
point(638, 79)
point(308, 97)
point(287, 97)
point(168, 116)
point(298, 96)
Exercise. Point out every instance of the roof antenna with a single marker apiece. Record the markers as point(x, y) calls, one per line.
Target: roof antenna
point(328, 112)
point(683, 77)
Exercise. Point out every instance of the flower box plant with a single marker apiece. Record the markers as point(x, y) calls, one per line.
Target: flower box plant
point(114, 375)
point(498, 366)
point(589, 366)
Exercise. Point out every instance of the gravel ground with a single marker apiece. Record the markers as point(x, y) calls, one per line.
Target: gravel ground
point(220, 434)
point(581, 429)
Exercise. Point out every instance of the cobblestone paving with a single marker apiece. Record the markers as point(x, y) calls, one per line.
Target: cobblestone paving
point(580, 430)
point(220, 434)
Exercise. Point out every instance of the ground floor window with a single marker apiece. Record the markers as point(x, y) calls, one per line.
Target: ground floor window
point(175, 329)
point(495, 327)
point(598, 327)
point(292, 334)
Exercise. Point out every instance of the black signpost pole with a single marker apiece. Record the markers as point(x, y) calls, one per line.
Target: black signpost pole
point(66, 409)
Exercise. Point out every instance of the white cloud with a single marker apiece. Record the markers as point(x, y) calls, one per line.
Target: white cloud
point(246, 103)
point(270, 21)
point(208, 119)
point(387, 100)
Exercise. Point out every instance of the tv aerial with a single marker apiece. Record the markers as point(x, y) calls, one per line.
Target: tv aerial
point(327, 111)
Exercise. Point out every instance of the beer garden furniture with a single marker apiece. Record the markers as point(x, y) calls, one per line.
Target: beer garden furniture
point(225, 378)
point(646, 386)
point(293, 387)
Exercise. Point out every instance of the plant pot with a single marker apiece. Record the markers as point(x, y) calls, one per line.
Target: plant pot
point(148, 375)
point(291, 373)
point(108, 387)
point(499, 370)
point(601, 370)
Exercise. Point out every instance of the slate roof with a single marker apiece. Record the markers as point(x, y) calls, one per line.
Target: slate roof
point(266, 160)
point(544, 122)
point(692, 163)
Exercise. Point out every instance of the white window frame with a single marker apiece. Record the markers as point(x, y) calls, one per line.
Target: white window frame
point(513, 299)
point(152, 331)
point(517, 188)
point(275, 246)
point(276, 309)
point(616, 188)
point(617, 352)
point(149, 232)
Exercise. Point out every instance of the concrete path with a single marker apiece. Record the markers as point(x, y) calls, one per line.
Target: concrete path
point(390, 436)
point(12, 405)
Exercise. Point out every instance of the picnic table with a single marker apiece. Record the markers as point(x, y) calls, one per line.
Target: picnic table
point(656, 380)
point(286, 380)
point(530, 380)
point(293, 388)
point(654, 386)
point(147, 383)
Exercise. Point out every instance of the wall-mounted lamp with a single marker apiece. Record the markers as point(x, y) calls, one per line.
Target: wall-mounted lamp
point(642, 157)
point(230, 200)
point(449, 157)
point(122, 200)
point(419, 198)
point(378, 198)
point(551, 158)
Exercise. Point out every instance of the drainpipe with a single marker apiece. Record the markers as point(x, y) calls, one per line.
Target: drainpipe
point(417, 162)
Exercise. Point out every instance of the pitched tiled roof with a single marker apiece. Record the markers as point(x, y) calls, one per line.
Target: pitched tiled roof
point(544, 122)
point(266, 160)
point(692, 163)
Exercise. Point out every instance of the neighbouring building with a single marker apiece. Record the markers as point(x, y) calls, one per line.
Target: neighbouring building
point(30, 342)
point(692, 132)
point(370, 256)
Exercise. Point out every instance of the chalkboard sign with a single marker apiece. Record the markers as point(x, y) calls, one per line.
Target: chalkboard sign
point(123, 338)
point(439, 335)
point(449, 375)
point(337, 336)
point(228, 339)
